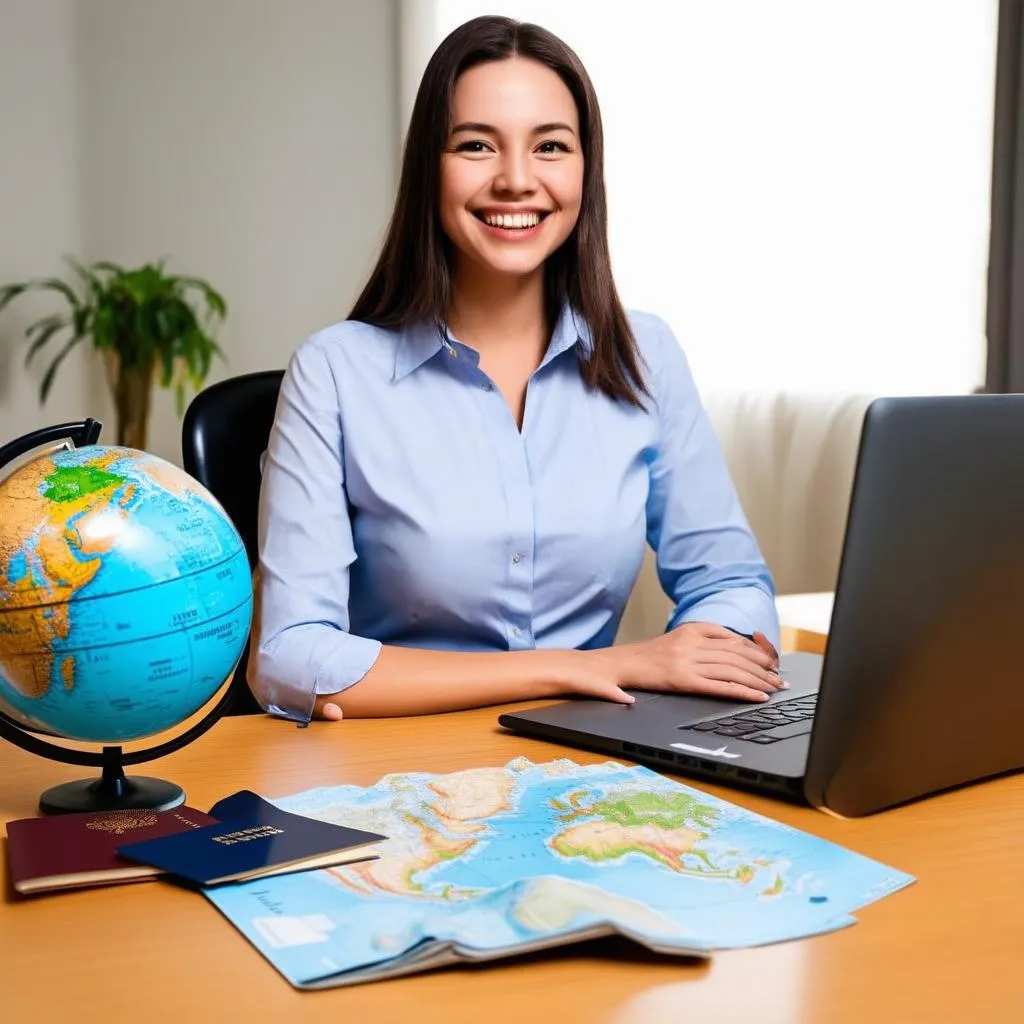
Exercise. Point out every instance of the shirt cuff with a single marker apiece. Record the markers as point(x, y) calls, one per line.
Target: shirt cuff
point(743, 611)
point(295, 667)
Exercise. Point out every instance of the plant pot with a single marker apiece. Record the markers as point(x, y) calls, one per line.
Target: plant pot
point(131, 388)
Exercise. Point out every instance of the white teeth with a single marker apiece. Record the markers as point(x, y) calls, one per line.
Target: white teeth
point(512, 220)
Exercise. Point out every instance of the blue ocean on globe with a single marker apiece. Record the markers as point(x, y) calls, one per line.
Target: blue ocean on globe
point(125, 594)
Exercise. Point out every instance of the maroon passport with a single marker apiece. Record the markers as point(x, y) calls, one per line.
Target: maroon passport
point(73, 851)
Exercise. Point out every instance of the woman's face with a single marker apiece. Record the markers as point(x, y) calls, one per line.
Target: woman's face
point(512, 171)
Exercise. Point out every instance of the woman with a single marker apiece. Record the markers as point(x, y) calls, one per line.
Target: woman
point(461, 476)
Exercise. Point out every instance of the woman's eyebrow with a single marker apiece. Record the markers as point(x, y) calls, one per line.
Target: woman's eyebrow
point(489, 129)
point(475, 126)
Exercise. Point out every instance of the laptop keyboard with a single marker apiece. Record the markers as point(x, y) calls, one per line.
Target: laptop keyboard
point(781, 721)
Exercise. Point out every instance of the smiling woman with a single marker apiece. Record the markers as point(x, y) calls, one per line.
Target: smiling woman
point(523, 181)
point(462, 475)
point(506, 121)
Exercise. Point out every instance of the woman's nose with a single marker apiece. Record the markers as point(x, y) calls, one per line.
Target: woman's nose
point(515, 175)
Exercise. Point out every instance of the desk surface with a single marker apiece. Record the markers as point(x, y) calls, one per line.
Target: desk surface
point(950, 947)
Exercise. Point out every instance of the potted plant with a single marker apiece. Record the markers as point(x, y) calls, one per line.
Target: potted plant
point(148, 325)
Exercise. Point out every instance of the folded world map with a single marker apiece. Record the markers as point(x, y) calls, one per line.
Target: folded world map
point(491, 862)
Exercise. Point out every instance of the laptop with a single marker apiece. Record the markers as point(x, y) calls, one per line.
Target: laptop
point(921, 687)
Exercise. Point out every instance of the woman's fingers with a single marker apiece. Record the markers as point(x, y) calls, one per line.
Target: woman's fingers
point(616, 694)
point(749, 656)
point(327, 710)
point(743, 663)
point(766, 645)
point(727, 673)
point(729, 689)
point(603, 690)
point(760, 651)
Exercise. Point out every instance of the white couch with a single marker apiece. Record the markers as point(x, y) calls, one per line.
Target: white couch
point(792, 458)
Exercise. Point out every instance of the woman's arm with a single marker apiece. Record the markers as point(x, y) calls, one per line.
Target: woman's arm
point(301, 645)
point(708, 560)
point(411, 681)
point(408, 681)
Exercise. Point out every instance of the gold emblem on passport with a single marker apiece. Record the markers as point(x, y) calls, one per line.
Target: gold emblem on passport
point(120, 822)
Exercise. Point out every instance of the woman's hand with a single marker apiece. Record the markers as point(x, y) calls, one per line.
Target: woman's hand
point(696, 657)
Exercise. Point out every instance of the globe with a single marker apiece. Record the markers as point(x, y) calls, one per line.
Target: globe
point(125, 594)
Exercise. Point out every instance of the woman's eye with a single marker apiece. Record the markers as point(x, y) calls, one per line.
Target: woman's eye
point(472, 146)
point(550, 146)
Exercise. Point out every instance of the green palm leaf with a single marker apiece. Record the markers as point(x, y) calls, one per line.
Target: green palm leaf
point(10, 292)
point(49, 328)
point(51, 372)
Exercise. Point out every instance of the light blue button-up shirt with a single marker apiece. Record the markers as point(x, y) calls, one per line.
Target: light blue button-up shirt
point(401, 504)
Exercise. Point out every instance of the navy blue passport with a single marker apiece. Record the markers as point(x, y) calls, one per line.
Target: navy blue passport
point(253, 839)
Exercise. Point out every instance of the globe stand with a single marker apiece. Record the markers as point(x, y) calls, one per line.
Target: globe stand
point(113, 791)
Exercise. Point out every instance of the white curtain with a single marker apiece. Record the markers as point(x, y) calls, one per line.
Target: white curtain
point(800, 187)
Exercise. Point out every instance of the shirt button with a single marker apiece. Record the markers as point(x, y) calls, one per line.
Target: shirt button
point(515, 631)
point(517, 558)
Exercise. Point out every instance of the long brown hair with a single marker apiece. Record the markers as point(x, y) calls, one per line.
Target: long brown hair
point(412, 278)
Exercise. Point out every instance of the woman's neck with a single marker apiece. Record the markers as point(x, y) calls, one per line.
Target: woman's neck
point(490, 311)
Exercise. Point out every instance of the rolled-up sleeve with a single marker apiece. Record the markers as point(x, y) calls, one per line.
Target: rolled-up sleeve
point(708, 560)
point(306, 549)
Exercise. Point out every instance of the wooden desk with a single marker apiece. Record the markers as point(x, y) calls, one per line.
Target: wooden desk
point(950, 948)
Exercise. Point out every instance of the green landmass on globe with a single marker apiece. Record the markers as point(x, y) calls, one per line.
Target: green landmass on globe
point(125, 595)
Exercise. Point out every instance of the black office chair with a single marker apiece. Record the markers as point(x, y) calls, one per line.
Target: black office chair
point(225, 431)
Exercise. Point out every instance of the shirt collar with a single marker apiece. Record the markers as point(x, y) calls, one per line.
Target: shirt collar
point(570, 329)
point(417, 343)
point(424, 339)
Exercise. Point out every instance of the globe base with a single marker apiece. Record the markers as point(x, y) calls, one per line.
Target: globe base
point(132, 792)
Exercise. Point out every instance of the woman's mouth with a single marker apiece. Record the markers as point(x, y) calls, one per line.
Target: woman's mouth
point(511, 225)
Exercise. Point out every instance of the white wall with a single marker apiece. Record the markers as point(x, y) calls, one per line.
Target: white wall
point(39, 201)
point(253, 142)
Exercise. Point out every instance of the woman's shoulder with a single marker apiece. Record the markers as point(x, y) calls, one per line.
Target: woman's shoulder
point(656, 343)
point(349, 337)
point(646, 324)
point(352, 346)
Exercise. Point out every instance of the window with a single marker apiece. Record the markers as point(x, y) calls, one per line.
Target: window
point(800, 189)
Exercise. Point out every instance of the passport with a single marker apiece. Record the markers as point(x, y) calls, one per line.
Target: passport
point(252, 839)
point(75, 851)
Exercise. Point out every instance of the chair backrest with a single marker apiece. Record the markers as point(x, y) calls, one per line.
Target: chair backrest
point(223, 437)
